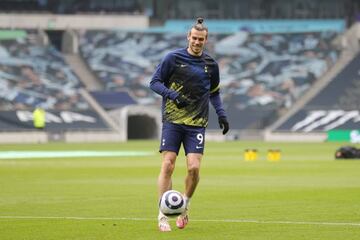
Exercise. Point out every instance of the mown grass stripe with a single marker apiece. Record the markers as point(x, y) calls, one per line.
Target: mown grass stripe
point(68, 154)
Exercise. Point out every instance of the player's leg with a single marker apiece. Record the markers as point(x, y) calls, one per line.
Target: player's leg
point(170, 145)
point(194, 143)
point(171, 139)
point(194, 147)
point(166, 171)
point(191, 181)
point(164, 184)
point(193, 173)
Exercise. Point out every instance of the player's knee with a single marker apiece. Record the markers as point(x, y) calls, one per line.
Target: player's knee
point(194, 170)
point(168, 166)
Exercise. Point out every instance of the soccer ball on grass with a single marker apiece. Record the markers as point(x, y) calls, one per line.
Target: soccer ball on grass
point(172, 203)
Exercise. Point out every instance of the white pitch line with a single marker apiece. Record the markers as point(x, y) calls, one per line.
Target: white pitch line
point(355, 224)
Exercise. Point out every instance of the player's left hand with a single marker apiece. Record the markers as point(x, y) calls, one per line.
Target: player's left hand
point(224, 124)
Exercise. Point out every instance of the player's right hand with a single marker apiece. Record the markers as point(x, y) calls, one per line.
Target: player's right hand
point(180, 101)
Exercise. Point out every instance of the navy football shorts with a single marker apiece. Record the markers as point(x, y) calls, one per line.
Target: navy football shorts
point(192, 138)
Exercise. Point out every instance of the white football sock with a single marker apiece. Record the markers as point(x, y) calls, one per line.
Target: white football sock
point(161, 215)
point(187, 201)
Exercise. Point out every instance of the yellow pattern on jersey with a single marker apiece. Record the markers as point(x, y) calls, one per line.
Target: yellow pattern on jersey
point(186, 115)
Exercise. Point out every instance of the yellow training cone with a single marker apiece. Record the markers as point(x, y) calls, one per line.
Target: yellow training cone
point(273, 155)
point(250, 155)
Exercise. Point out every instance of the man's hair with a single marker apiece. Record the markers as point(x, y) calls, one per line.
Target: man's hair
point(199, 25)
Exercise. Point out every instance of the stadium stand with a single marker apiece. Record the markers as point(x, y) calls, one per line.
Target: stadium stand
point(70, 6)
point(113, 99)
point(260, 73)
point(33, 75)
point(335, 107)
point(264, 73)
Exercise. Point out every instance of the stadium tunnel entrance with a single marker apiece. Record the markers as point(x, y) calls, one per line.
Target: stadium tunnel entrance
point(138, 121)
point(56, 38)
point(141, 127)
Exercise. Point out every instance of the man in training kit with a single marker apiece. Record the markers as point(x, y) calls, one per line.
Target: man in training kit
point(187, 79)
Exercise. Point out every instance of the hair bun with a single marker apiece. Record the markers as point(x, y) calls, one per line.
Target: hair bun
point(200, 20)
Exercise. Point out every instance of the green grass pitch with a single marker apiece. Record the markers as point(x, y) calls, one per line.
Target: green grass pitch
point(306, 195)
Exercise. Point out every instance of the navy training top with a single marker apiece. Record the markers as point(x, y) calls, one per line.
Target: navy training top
point(194, 77)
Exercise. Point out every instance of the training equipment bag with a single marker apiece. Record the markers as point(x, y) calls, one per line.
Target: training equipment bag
point(347, 152)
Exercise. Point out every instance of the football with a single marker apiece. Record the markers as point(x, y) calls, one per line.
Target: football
point(172, 203)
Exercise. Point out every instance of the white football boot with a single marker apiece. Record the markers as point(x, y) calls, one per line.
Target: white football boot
point(164, 225)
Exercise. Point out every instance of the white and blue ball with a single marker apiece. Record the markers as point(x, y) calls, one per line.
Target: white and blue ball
point(172, 203)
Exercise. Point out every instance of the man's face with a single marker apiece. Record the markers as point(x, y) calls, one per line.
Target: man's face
point(197, 40)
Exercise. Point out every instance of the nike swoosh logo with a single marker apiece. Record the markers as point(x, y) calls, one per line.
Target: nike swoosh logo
point(182, 65)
